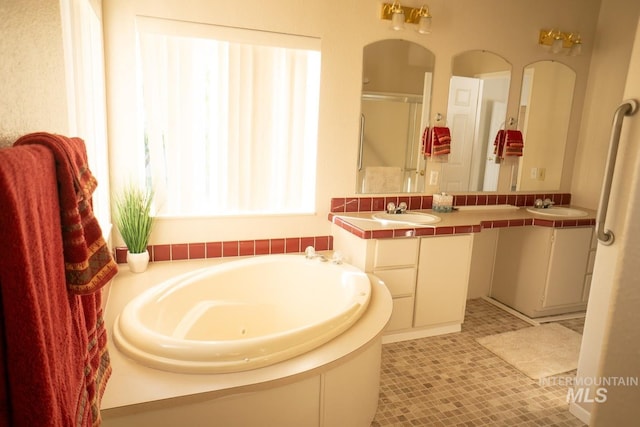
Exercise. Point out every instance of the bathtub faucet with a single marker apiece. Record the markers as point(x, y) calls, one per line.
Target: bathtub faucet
point(310, 253)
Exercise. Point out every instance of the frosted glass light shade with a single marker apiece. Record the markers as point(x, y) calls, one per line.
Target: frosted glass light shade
point(397, 20)
point(424, 25)
point(557, 45)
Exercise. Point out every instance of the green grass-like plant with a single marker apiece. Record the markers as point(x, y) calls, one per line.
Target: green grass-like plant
point(133, 217)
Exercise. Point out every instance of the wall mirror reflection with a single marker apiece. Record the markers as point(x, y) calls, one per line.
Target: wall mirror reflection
point(395, 104)
point(477, 109)
point(543, 118)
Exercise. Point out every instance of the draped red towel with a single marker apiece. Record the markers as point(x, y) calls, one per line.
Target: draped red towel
point(88, 261)
point(498, 143)
point(513, 143)
point(436, 141)
point(508, 143)
point(54, 363)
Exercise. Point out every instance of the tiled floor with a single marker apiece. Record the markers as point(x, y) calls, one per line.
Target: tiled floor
point(451, 380)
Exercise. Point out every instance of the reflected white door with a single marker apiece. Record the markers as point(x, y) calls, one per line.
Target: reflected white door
point(492, 168)
point(462, 114)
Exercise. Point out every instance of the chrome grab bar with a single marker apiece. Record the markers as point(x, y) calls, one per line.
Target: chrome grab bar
point(627, 108)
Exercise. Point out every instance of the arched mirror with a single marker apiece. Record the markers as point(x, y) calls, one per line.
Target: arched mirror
point(477, 109)
point(396, 97)
point(543, 118)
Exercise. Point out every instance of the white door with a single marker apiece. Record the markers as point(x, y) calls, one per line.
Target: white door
point(462, 114)
point(492, 167)
point(611, 339)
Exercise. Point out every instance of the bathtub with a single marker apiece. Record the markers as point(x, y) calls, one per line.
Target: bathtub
point(241, 315)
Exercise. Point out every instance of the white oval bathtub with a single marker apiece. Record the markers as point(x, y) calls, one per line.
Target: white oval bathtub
point(242, 314)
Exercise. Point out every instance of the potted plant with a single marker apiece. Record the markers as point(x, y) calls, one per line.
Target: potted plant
point(133, 219)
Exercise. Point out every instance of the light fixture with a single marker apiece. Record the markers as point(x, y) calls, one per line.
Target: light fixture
point(424, 20)
point(560, 41)
point(399, 15)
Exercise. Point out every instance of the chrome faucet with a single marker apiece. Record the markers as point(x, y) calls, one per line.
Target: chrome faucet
point(543, 204)
point(400, 209)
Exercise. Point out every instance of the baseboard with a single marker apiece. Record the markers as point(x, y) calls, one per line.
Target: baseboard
point(413, 334)
point(580, 413)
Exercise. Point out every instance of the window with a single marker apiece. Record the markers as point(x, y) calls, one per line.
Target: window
point(230, 119)
point(84, 65)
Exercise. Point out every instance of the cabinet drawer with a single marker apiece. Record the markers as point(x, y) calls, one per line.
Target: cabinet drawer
point(396, 252)
point(399, 281)
point(402, 315)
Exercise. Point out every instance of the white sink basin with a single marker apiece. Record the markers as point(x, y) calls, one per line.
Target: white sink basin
point(558, 211)
point(407, 218)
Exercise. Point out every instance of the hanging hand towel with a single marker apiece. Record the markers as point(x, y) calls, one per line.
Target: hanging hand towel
point(438, 141)
point(426, 141)
point(513, 143)
point(498, 143)
point(88, 261)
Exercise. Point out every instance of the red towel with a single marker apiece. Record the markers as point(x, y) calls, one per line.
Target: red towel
point(437, 141)
point(54, 362)
point(508, 143)
point(513, 143)
point(498, 143)
point(88, 261)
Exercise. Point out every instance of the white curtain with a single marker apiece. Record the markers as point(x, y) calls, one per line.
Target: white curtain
point(229, 127)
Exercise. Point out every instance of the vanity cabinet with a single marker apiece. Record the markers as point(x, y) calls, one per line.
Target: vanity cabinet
point(541, 271)
point(427, 278)
point(443, 278)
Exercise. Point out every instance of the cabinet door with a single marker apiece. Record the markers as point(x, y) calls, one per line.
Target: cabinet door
point(521, 265)
point(443, 277)
point(567, 267)
point(392, 253)
point(401, 282)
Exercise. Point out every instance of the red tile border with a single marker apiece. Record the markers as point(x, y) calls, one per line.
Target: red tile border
point(201, 250)
point(180, 251)
point(368, 204)
point(197, 250)
point(161, 253)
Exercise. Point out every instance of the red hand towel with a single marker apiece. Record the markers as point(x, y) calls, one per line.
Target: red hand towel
point(498, 143)
point(513, 143)
point(441, 137)
point(426, 141)
point(88, 261)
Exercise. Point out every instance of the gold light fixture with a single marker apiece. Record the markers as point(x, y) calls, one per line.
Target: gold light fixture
point(399, 15)
point(561, 41)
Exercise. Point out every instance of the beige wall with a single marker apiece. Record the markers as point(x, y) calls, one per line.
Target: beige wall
point(32, 92)
point(607, 75)
point(34, 96)
point(344, 27)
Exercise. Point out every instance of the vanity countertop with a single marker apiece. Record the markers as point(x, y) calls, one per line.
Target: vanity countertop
point(363, 225)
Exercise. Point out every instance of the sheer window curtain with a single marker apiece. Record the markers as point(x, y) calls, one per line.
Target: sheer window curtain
point(230, 128)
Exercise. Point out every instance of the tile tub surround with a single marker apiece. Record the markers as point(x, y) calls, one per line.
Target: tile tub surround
point(457, 222)
point(451, 380)
point(232, 248)
point(379, 203)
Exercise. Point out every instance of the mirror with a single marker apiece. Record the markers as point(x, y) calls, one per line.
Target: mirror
point(477, 109)
point(396, 97)
point(543, 118)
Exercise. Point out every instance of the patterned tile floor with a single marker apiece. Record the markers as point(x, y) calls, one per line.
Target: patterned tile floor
point(451, 380)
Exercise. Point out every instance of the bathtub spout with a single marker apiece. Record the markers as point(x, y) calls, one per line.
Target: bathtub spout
point(310, 253)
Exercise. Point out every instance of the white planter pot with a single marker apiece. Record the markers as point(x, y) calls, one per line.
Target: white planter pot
point(138, 262)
